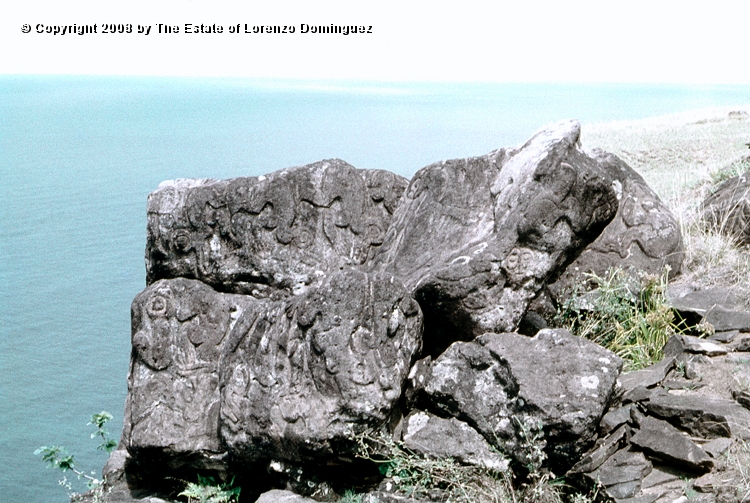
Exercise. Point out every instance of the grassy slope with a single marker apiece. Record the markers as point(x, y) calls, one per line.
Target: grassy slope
point(682, 157)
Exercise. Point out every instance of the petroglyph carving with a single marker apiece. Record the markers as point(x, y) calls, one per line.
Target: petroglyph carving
point(270, 235)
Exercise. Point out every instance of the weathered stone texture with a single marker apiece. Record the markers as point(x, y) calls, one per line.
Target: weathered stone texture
point(511, 387)
point(180, 330)
point(436, 437)
point(270, 235)
point(664, 441)
point(476, 239)
point(643, 236)
point(278, 378)
point(300, 376)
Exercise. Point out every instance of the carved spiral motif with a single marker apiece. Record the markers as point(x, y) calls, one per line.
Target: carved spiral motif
point(181, 240)
point(156, 307)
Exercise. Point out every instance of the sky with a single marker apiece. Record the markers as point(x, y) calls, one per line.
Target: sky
point(460, 41)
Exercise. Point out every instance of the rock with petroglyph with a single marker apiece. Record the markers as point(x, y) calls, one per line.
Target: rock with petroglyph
point(272, 235)
point(179, 333)
point(643, 237)
point(476, 239)
point(215, 374)
point(299, 377)
point(518, 391)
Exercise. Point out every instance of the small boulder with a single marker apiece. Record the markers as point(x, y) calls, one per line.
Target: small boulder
point(678, 344)
point(282, 496)
point(517, 390)
point(450, 438)
point(702, 416)
point(621, 474)
point(643, 237)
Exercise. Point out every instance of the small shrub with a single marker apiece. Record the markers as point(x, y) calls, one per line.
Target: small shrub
point(58, 457)
point(417, 476)
point(207, 490)
point(421, 477)
point(630, 317)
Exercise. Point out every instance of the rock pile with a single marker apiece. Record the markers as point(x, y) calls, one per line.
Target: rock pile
point(669, 426)
point(289, 313)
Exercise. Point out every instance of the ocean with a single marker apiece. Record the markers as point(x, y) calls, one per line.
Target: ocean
point(79, 155)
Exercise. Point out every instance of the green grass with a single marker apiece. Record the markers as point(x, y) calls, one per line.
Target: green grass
point(630, 317)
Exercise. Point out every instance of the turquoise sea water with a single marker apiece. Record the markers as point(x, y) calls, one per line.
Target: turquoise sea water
point(79, 155)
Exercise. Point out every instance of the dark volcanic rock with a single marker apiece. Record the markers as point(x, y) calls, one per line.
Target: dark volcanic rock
point(664, 441)
point(180, 331)
point(299, 377)
point(678, 344)
point(476, 239)
point(727, 210)
point(279, 379)
point(269, 235)
point(621, 474)
point(702, 416)
point(603, 449)
point(690, 298)
point(510, 387)
point(723, 320)
point(648, 377)
point(643, 236)
point(450, 438)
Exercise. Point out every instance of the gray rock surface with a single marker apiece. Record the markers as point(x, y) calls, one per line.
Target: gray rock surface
point(476, 239)
point(643, 236)
point(662, 440)
point(180, 330)
point(436, 437)
point(271, 235)
point(282, 496)
point(278, 379)
point(648, 377)
point(622, 473)
point(511, 388)
point(702, 416)
point(724, 320)
point(678, 344)
point(727, 210)
point(602, 451)
point(300, 376)
point(691, 298)
point(284, 313)
point(614, 418)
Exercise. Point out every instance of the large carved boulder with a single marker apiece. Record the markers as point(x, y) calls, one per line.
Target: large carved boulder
point(214, 373)
point(727, 210)
point(643, 236)
point(179, 333)
point(300, 377)
point(550, 390)
point(271, 235)
point(476, 239)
